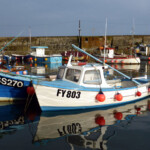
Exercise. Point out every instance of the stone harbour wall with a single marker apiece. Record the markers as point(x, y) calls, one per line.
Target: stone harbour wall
point(58, 44)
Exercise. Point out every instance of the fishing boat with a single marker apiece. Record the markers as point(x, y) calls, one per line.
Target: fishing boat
point(17, 85)
point(143, 51)
point(108, 55)
point(83, 87)
point(78, 57)
point(37, 54)
point(13, 87)
point(14, 69)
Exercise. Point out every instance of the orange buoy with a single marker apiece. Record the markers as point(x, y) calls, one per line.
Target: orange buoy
point(24, 72)
point(30, 90)
point(100, 97)
point(118, 97)
point(17, 72)
point(100, 120)
point(138, 93)
point(116, 61)
point(105, 61)
point(118, 115)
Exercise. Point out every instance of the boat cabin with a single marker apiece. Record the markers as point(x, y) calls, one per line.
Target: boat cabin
point(90, 75)
point(108, 52)
point(38, 50)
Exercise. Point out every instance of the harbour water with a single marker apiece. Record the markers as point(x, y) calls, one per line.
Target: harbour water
point(125, 127)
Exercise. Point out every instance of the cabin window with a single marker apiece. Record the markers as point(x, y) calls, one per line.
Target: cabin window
point(34, 50)
point(73, 75)
point(92, 77)
point(86, 39)
point(60, 73)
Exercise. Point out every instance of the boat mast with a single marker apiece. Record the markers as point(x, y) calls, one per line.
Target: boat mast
point(79, 35)
point(105, 41)
point(132, 37)
point(30, 36)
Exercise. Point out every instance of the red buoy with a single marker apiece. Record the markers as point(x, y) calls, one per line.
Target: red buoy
point(118, 97)
point(32, 116)
point(30, 90)
point(112, 61)
point(100, 96)
point(118, 115)
point(100, 120)
point(138, 109)
point(138, 93)
point(116, 66)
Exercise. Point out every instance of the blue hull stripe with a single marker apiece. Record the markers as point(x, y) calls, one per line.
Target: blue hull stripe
point(51, 108)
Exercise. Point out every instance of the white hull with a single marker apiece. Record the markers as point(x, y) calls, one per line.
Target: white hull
point(132, 60)
point(51, 98)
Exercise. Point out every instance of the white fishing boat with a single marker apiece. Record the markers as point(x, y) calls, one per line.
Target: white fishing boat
point(83, 87)
point(110, 57)
point(107, 54)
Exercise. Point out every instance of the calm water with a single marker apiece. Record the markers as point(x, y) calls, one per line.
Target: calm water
point(126, 127)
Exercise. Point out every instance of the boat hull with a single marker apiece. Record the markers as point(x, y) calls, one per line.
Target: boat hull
point(121, 60)
point(55, 99)
point(13, 88)
point(46, 58)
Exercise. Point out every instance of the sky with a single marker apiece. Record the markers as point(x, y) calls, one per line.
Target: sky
point(61, 17)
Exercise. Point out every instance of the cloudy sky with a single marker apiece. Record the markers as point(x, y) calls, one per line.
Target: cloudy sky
point(61, 17)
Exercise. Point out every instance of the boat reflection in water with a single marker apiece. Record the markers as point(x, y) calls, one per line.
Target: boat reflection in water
point(14, 116)
point(87, 129)
point(11, 116)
